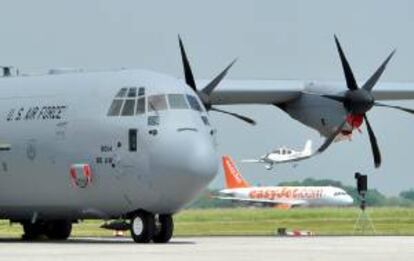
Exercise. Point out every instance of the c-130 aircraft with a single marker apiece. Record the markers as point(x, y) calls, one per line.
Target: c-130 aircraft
point(138, 145)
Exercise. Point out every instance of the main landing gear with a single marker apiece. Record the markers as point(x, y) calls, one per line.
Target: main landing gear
point(145, 227)
point(52, 229)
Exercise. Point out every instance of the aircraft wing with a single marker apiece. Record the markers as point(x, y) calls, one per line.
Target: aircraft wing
point(394, 91)
point(291, 202)
point(256, 91)
point(252, 161)
point(284, 91)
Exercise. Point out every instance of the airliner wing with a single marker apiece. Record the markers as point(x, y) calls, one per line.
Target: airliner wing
point(252, 161)
point(285, 91)
point(291, 202)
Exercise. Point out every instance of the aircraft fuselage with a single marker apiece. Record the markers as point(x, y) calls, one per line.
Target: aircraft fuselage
point(151, 157)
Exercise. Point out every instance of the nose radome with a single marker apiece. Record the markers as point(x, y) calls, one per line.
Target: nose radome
point(200, 157)
point(185, 171)
point(189, 155)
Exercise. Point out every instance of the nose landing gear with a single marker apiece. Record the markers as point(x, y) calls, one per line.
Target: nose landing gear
point(145, 227)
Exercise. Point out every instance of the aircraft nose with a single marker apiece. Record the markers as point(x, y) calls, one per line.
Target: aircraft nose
point(198, 157)
point(348, 200)
point(182, 169)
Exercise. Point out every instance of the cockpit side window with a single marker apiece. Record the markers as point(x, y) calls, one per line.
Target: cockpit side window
point(177, 101)
point(115, 108)
point(194, 103)
point(128, 101)
point(157, 103)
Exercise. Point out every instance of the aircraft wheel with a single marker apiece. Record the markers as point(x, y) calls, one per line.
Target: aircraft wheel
point(164, 230)
point(142, 227)
point(32, 231)
point(58, 229)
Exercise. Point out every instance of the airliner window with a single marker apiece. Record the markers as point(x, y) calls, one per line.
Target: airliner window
point(157, 103)
point(141, 105)
point(177, 101)
point(132, 93)
point(193, 103)
point(121, 93)
point(141, 91)
point(115, 108)
point(128, 109)
point(153, 120)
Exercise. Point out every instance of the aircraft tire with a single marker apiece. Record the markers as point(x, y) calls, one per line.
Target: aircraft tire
point(32, 231)
point(58, 229)
point(165, 230)
point(142, 227)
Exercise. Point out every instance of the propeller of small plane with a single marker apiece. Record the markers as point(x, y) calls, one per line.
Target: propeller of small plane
point(205, 93)
point(359, 100)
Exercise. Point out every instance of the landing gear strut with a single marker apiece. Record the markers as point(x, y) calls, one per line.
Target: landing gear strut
point(145, 227)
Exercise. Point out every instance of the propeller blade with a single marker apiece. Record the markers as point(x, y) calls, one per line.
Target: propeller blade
point(240, 117)
point(394, 107)
point(331, 138)
point(374, 145)
point(375, 77)
point(188, 73)
point(215, 82)
point(349, 75)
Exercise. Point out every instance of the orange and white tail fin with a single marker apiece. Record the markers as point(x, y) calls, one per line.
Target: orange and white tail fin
point(233, 177)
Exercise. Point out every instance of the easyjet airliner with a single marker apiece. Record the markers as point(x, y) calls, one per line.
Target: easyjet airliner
point(238, 189)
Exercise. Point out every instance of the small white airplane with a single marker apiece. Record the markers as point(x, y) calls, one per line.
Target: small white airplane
point(283, 155)
point(238, 189)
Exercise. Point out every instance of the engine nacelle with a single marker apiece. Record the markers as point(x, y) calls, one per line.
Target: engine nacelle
point(316, 112)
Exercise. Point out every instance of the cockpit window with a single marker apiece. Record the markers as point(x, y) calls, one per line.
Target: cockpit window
point(141, 105)
point(157, 103)
point(132, 93)
point(126, 99)
point(121, 93)
point(194, 103)
point(141, 91)
point(115, 108)
point(177, 101)
point(339, 194)
point(129, 106)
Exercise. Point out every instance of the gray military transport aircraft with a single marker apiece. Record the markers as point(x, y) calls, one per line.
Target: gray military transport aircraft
point(138, 145)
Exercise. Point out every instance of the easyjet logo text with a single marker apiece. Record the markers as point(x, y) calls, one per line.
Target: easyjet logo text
point(286, 193)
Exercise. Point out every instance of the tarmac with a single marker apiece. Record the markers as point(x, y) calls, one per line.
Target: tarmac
point(215, 248)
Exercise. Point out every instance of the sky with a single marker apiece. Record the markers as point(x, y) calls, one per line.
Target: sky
point(290, 39)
